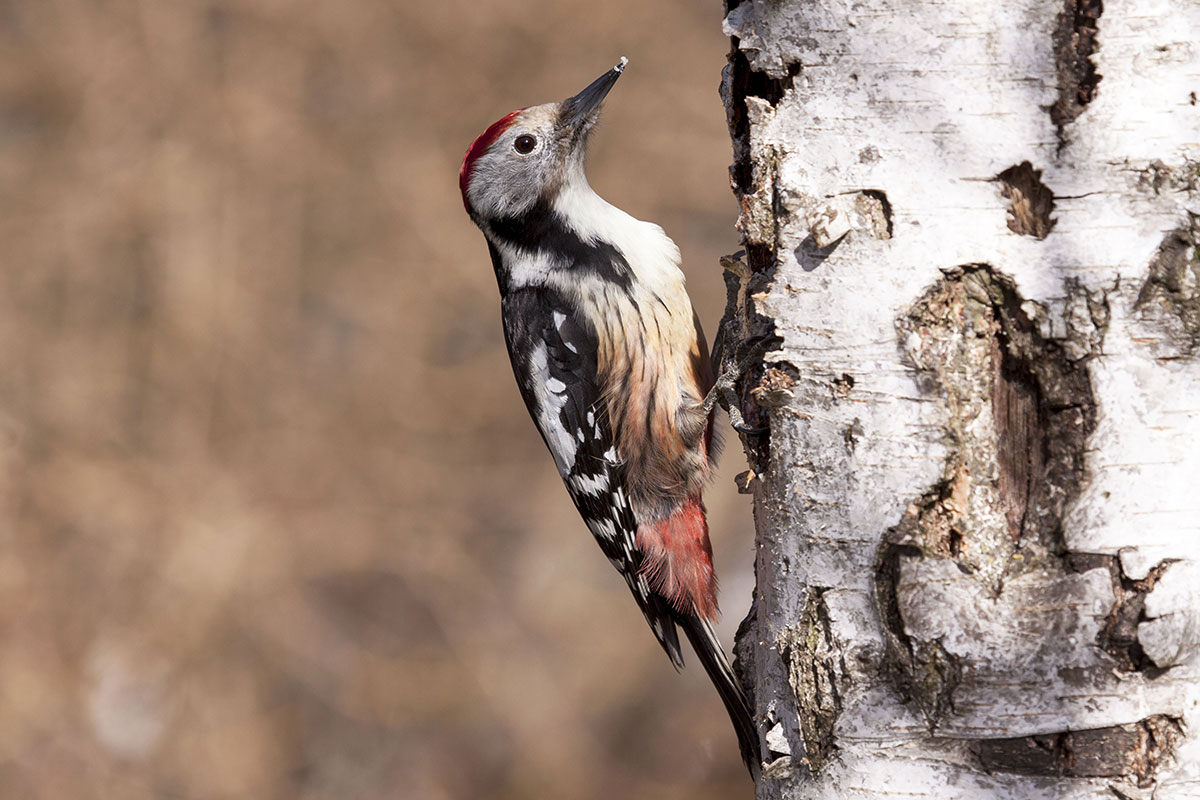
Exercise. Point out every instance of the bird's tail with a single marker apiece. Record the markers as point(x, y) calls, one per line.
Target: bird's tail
point(708, 650)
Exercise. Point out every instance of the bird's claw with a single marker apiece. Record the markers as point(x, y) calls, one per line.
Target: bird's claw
point(750, 352)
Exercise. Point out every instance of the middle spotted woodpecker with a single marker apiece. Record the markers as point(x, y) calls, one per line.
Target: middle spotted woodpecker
point(612, 364)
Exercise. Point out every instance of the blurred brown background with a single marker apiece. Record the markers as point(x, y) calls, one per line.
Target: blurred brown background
point(275, 523)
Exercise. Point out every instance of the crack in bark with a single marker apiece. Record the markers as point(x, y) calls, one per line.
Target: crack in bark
point(760, 387)
point(743, 649)
point(1074, 46)
point(754, 186)
point(746, 82)
point(872, 197)
point(924, 673)
point(1133, 751)
point(1119, 638)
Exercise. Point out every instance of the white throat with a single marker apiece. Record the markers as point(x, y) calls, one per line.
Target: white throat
point(652, 256)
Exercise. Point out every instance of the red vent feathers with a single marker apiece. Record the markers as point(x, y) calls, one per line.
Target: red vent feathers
point(478, 148)
point(678, 560)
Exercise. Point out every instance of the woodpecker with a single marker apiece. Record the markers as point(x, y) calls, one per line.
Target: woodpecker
point(612, 364)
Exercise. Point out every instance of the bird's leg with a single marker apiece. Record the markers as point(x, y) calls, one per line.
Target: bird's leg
point(723, 393)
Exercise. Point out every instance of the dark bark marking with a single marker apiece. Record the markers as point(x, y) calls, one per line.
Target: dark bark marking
point(746, 82)
point(980, 351)
point(1041, 401)
point(851, 434)
point(817, 676)
point(1030, 201)
point(743, 649)
point(1020, 421)
point(1119, 638)
point(1159, 177)
point(742, 322)
point(775, 388)
point(1133, 751)
point(759, 256)
point(924, 673)
point(1170, 295)
point(885, 211)
point(1074, 45)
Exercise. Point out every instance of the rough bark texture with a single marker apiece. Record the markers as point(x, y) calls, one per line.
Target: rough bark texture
point(974, 227)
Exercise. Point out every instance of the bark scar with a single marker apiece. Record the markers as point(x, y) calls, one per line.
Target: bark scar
point(817, 675)
point(1030, 201)
point(1075, 43)
point(1019, 409)
point(1170, 296)
point(1134, 751)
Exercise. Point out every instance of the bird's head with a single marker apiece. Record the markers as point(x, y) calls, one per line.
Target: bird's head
point(531, 154)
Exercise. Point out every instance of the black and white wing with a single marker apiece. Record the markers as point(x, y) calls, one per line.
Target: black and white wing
point(553, 353)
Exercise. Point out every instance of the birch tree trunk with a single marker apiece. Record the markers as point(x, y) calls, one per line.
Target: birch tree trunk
point(974, 225)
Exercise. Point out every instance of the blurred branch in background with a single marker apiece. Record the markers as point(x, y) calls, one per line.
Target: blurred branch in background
point(274, 521)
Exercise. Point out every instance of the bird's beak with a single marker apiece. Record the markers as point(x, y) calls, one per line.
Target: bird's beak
point(579, 112)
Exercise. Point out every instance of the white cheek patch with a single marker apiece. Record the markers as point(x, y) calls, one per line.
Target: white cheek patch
point(651, 254)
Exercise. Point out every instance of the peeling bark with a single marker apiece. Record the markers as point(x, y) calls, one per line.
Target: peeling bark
point(978, 570)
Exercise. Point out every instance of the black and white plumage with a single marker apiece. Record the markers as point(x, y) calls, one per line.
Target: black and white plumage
point(612, 365)
point(554, 360)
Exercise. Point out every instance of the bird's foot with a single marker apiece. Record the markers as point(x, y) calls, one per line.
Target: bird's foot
point(749, 353)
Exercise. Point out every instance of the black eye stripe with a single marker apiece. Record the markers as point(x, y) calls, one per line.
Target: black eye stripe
point(524, 143)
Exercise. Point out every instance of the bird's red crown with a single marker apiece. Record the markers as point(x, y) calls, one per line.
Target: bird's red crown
point(478, 148)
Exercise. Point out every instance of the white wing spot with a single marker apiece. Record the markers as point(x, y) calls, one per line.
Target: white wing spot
point(589, 484)
point(555, 385)
point(549, 410)
point(603, 529)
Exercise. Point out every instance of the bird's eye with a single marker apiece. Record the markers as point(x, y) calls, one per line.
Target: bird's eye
point(524, 144)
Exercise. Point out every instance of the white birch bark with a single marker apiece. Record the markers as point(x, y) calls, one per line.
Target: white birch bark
point(974, 226)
